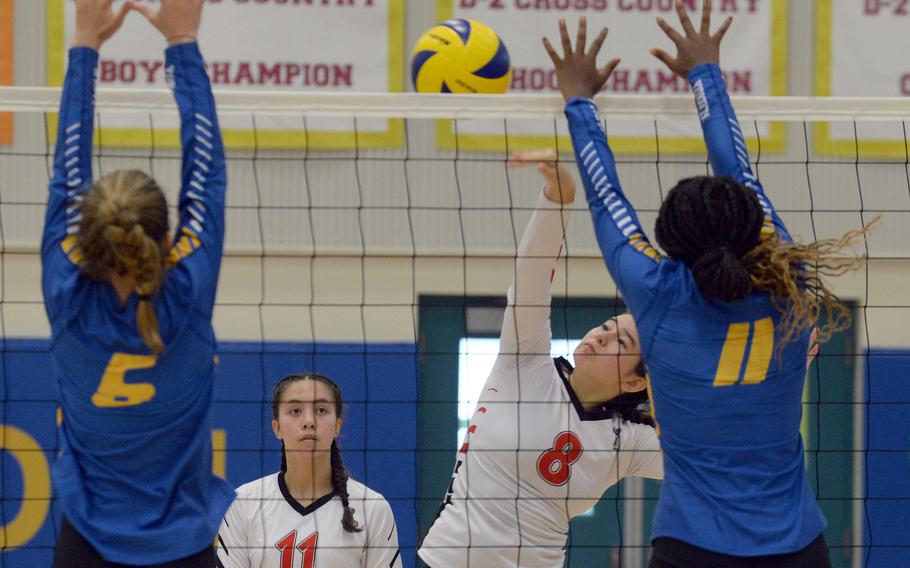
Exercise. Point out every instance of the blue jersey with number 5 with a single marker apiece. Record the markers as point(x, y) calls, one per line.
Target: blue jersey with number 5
point(728, 408)
point(134, 474)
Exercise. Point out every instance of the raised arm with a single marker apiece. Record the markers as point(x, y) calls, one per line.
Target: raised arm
point(203, 173)
point(698, 61)
point(526, 324)
point(71, 176)
point(72, 173)
point(629, 256)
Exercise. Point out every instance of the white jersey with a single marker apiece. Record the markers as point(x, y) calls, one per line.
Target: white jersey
point(267, 527)
point(533, 458)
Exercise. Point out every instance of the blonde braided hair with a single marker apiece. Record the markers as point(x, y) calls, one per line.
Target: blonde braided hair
point(124, 231)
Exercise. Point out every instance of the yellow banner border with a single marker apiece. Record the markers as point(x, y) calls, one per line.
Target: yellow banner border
point(392, 137)
point(775, 142)
point(823, 143)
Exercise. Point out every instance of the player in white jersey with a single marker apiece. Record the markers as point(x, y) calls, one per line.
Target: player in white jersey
point(546, 440)
point(310, 514)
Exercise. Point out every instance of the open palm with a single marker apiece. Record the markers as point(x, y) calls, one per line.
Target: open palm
point(576, 71)
point(696, 47)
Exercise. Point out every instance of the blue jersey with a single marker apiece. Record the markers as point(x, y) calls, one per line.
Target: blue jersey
point(134, 474)
point(728, 407)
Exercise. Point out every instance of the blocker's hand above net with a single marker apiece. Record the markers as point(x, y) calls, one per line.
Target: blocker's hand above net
point(576, 71)
point(697, 47)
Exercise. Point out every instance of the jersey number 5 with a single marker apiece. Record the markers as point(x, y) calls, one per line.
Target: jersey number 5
point(755, 337)
point(307, 548)
point(555, 465)
point(114, 391)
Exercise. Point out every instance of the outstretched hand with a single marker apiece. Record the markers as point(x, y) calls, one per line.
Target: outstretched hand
point(177, 20)
point(560, 186)
point(96, 21)
point(696, 48)
point(576, 71)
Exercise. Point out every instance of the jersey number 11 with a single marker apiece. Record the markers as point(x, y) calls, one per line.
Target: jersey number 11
point(756, 338)
point(307, 548)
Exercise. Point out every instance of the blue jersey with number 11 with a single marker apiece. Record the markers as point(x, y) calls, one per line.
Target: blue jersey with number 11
point(728, 407)
point(134, 474)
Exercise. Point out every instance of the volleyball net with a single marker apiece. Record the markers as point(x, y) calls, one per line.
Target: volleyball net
point(372, 237)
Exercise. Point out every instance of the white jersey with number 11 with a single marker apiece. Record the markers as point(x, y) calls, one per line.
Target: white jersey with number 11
point(267, 528)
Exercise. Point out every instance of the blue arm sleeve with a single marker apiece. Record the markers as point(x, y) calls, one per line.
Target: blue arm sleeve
point(724, 138)
point(72, 172)
point(200, 234)
point(71, 175)
point(629, 256)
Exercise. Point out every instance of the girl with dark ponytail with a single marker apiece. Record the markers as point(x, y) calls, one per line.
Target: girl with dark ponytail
point(724, 320)
point(311, 506)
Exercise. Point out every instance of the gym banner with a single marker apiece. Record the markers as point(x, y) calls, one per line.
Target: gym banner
point(755, 63)
point(6, 65)
point(274, 45)
point(861, 48)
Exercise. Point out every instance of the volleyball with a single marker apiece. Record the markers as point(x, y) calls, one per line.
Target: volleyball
point(460, 56)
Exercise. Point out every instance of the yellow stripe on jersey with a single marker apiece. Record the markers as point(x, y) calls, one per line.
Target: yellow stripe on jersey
point(760, 352)
point(651, 404)
point(71, 250)
point(643, 246)
point(186, 244)
point(732, 354)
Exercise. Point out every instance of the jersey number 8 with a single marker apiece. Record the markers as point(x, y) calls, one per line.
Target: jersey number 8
point(555, 465)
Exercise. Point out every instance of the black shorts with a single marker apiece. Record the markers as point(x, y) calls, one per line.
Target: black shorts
point(672, 553)
point(73, 551)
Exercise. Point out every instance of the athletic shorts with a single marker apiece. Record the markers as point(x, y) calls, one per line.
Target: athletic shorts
point(73, 551)
point(672, 553)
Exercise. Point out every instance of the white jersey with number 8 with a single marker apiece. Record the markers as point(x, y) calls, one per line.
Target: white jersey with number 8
point(533, 457)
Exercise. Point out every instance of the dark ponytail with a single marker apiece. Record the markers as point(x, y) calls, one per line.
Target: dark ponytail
point(719, 272)
point(710, 224)
point(340, 485)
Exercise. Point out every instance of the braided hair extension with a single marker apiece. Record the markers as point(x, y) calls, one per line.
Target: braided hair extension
point(339, 473)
